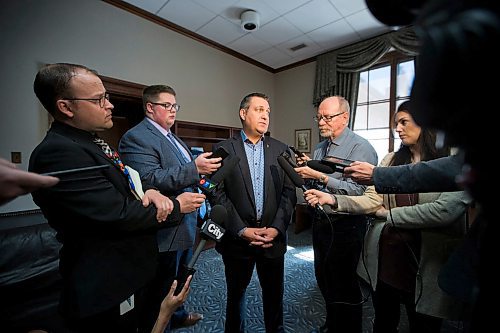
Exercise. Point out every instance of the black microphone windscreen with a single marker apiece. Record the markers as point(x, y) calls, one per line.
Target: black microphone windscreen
point(319, 166)
point(228, 164)
point(218, 214)
point(294, 176)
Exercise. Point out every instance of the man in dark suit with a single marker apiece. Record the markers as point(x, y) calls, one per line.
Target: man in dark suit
point(260, 199)
point(165, 161)
point(109, 248)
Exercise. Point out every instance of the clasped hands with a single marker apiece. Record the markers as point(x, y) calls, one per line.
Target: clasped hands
point(261, 237)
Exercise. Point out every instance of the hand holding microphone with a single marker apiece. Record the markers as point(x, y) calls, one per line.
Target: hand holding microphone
point(210, 230)
point(294, 176)
point(208, 184)
point(316, 197)
point(300, 156)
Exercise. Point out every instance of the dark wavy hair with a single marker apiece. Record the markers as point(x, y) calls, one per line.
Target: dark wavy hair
point(426, 143)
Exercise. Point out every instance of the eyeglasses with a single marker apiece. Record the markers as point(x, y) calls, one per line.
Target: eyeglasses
point(262, 110)
point(101, 100)
point(168, 106)
point(327, 119)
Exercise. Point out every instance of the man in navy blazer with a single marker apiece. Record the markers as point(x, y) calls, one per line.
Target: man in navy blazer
point(162, 159)
point(259, 199)
point(109, 251)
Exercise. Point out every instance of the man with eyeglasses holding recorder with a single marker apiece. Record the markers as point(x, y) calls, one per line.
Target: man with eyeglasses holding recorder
point(336, 253)
point(165, 161)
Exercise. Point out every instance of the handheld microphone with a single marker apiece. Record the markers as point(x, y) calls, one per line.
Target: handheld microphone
point(210, 230)
point(208, 185)
point(294, 177)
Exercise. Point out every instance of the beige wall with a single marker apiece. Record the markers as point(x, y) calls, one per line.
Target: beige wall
point(294, 95)
point(210, 83)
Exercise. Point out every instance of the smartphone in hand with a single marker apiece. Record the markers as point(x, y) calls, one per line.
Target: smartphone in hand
point(220, 152)
point(336, 162)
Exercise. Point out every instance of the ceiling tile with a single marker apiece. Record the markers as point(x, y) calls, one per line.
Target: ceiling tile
point(303, 53)
point(217, 6)
point(273, 57)
point(249, 45)
point(266, 13)
point(277, 31)
point(313, 15)
point(149, 5)
point(283, 7)
point(221, 30)
point(365, 24)
point(187, 14)
point(334, 35)
point(348, 7)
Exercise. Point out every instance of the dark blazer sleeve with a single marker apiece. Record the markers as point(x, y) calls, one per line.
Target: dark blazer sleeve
point(431, 176)
point(99, 199)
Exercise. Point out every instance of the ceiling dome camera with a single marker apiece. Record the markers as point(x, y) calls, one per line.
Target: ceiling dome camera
point(250, 20)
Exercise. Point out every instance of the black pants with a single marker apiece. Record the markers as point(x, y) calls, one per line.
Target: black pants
point(112, 321)
point(160, 287)
point(337, 247)
point(238, 273)
point(387, 300)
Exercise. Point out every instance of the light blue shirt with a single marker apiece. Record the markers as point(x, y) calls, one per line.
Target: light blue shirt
point(255, 158)
point(351, 146)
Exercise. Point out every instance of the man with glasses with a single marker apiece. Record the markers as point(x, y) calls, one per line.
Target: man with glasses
point(109, 252)
point(164, 160)
point(337, 239)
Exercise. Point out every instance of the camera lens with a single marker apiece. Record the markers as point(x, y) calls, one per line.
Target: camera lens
point(249, 26)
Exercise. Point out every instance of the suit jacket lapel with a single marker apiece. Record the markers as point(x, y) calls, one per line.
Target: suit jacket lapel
point(166, 141)
point(239, 149)
point(267, 170)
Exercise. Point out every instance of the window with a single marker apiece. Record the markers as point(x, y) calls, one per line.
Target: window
point(381, 89)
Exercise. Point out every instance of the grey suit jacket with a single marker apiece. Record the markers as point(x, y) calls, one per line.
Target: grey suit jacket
point(159, 162)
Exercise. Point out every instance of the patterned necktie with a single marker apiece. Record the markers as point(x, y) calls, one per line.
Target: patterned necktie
point(115, 157)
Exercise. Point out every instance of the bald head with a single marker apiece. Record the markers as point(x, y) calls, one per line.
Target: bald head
point(333, 116)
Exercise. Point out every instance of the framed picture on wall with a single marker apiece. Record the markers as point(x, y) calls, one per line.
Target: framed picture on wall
point(303, 140)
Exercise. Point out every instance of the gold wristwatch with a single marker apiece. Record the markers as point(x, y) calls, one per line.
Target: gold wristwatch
point(323, 179)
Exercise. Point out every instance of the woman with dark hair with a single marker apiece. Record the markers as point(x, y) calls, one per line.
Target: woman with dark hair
point(406, 248)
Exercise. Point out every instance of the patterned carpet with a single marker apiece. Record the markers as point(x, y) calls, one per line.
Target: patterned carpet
point(303, 304)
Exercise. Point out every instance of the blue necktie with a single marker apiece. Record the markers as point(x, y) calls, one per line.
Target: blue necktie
point(203, 208)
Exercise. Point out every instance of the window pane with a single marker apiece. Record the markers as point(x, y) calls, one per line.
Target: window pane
point(378, 115)
point(363, 87)
point(361, 119)
point(379, 84)
point(379, 139)
point(404, 80)
point(398, 103)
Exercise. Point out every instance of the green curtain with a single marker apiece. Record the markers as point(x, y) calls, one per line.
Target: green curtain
point(337, 72)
